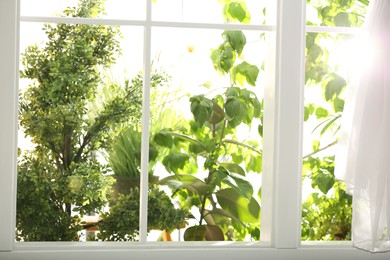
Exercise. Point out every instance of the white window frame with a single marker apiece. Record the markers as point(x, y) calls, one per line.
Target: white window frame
point(282, 160)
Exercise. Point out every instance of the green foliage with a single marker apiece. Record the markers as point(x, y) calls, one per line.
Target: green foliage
point(225, 196)
point(61, 177)
point(121, 223)
point(327, 211)
point(186, 181)
point(347, 13)
point(245, 71)
point(36, 209)
point(124, 156)
point(327, 217)
point(236, 11)
point(247, 210)
point(42, 186)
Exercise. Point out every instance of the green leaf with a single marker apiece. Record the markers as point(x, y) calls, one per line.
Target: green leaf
point(246, 210)
point(195, 233)
point(329, 124)
point(237, 10)
point(240, 185)
point(251, 75)
point(308, 110)
point(219, 175)
point(226, 59)
point(321, 112)
point(338, 105)
point(310, 39)
point(224, 213)
point(163, 139)
point(342, 19)
point(334, 87)
point(233, 92)
point(201, 108)
point(344, 3)
point(214, 56)
point(232, 167)
point(260, 129)
point(236, 39)
point(236, 110)
point(175, 161)
point(218, 115)
point(185, 181)
point(214, 233)
point(314, 52)
point(204, 233)
point(196, 149)
point(250, 72)
point(324, 181)
point(315, 145)
point(255, 164)
point(257, 108)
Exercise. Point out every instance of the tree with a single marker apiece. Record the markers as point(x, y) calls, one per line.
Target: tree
point(61, 179)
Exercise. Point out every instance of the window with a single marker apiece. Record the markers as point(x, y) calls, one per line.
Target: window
point(333, 58)
point(282, 152)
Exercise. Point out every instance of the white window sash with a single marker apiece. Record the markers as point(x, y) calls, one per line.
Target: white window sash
point(143, 215)
point(286, 139)
point(281, 209)
point(8, 117)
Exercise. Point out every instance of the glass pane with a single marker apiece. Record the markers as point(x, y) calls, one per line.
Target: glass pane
point(114, 9)
point(80, 90)
point(206, 133)
point(332, 65)
point(210, 11)
point(336, 13)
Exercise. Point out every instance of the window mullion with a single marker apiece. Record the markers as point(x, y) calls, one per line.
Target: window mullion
point(8, 103)
point(267, 197)
point(288, 122)
point(143, 218)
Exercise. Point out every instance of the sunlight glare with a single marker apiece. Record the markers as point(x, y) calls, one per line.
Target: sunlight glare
point(352, 56)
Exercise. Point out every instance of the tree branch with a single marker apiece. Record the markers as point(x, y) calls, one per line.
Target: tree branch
point(320, 150)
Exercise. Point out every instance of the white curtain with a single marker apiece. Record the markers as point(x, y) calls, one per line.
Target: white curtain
point(363, 157)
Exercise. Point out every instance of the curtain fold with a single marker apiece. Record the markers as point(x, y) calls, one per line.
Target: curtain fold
point(363, 157)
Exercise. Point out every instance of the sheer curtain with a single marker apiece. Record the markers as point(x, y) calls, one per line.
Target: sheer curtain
point(363, 158)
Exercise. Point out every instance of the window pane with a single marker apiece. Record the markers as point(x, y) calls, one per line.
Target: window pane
point(333, 63)
point(336, 13)
point(206, 132)
point(80, 129)
point(209, 11)
point(80, 89)
point(115, 9)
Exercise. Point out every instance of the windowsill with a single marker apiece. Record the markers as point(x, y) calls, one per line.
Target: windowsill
point(326, 244)
point(26, 246)
point(319, 250)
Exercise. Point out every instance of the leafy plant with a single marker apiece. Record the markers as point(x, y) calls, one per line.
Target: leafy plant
point(124, 158)
point(326, 213)
point(70, 114)
point(61, 176)
point(224, 197)
point(121, 223)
